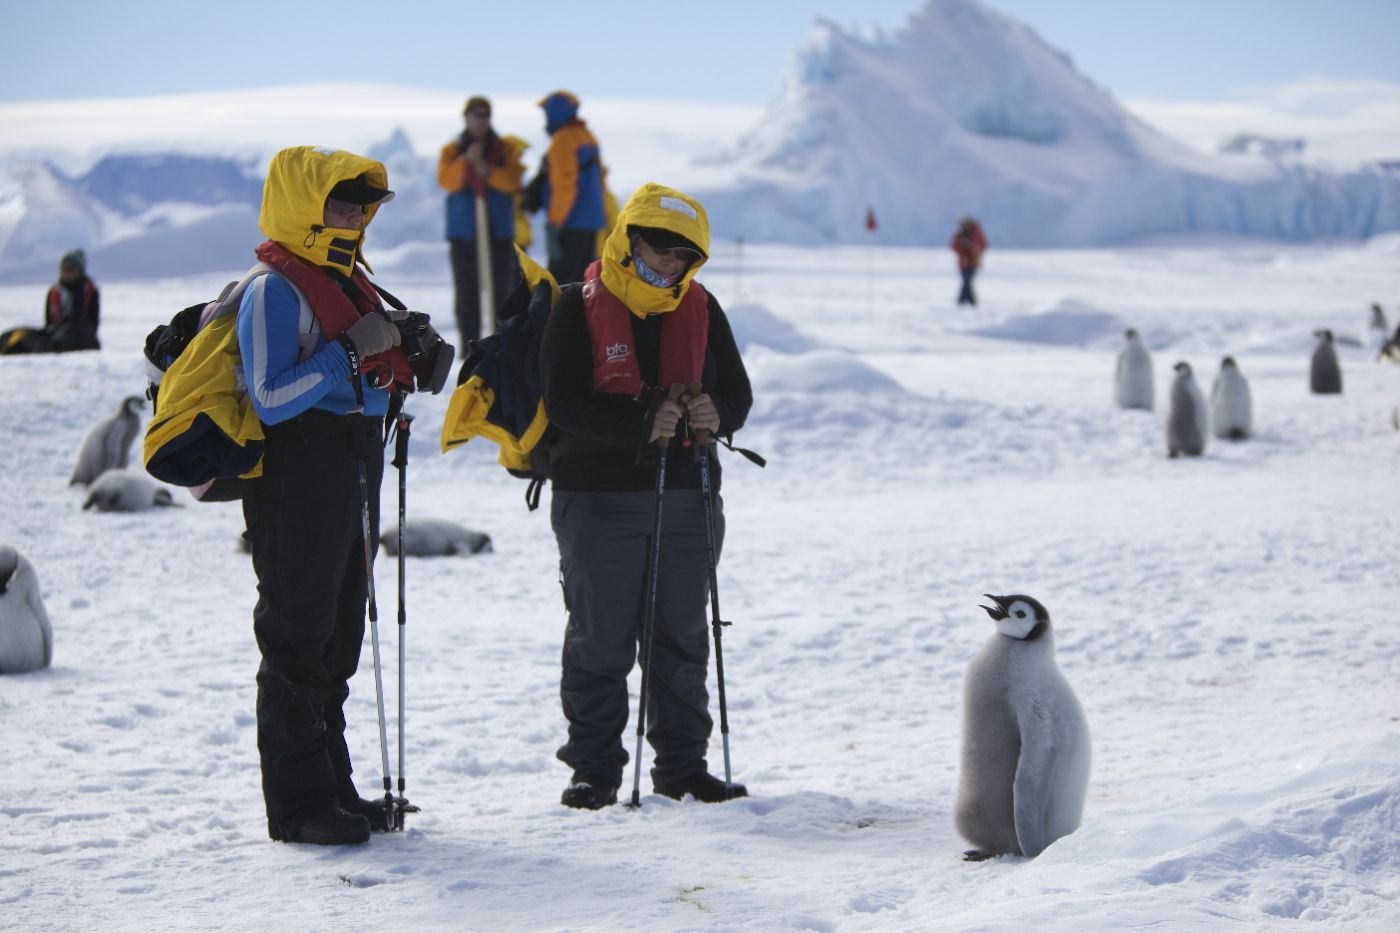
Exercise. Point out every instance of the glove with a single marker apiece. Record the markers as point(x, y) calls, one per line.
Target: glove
point(373, 334)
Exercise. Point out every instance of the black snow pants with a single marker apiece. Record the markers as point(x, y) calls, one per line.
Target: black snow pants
point(304, 526)
point(604, 555)
point(577, 248)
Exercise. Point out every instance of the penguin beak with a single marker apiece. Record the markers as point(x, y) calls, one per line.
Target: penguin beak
point(997, 613)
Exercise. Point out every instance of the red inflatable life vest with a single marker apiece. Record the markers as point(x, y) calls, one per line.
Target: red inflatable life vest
point(684, 332)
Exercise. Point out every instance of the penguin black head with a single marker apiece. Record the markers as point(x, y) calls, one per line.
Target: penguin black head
point(1183, 367)
point(1129, 334)
point(1325, 334)
point(1229, 363)
point(132, 404)
point(1019, 617)
point(9, 563)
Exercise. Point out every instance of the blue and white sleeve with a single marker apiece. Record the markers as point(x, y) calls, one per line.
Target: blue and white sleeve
point(268, 337)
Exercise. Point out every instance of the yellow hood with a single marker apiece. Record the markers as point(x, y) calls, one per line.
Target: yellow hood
point(294, 199)
point(653, 205)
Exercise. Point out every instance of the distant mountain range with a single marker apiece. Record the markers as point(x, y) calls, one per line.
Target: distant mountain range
point(962, 111)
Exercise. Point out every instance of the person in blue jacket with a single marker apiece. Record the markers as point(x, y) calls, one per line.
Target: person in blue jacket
point(320, 360)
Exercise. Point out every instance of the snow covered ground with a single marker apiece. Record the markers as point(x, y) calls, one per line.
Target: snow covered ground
point(1227, 622)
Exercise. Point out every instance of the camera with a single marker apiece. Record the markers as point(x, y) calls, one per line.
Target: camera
point(411, 332)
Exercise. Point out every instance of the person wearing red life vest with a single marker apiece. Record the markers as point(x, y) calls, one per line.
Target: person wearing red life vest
point(638, 324)
point(969, 242)
point(321, 359)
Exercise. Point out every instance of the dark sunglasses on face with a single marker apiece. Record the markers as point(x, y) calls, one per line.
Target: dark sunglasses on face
point(683, 253)
point(343, 208)
point(484, 114)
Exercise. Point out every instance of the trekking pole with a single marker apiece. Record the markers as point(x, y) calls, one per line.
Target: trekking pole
point(401, 433)
point(705, 440)
point(649, 621)
point(374, 637)
point(486, 292)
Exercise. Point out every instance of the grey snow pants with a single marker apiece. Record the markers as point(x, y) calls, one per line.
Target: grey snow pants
point(604, 555)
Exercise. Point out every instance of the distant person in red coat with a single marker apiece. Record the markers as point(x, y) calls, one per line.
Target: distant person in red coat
point(969, 242)
point(70, 314)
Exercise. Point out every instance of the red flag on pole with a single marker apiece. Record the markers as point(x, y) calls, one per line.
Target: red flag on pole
point(870, 219)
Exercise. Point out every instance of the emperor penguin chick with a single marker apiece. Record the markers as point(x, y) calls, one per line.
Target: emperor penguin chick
point(107, 445)
point(26, 636)
point(123, 491)
point(1025, 743)
point(1326, 370)
point(1132, 379)
point(1231, 408)
point(1186, 415)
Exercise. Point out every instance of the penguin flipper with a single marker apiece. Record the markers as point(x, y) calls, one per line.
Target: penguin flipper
point(1031, 790)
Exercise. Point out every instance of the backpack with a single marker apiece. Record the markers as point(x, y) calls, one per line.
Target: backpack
point(205, 433)
point(498, 394)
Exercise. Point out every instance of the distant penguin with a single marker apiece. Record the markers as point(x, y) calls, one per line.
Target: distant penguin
point(1326, 371)
point(428, 537)
point(1133, 380)
point(26, 637)
point(1390, 350)
point(1186, 415)
point(107, 444)
point(1025, 742)
point(1378, 321)
point(1231, 408)
point(124, 491)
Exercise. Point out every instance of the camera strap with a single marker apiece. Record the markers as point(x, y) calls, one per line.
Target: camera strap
point(387, 296)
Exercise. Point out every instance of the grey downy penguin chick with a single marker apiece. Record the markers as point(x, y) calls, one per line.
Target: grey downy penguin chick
point(430, 537)
point(1326, 370)
point(124, 491)
point(107, 444)
point(1186, 415)
point(1133, 382)
point(1231, 407)
point(1025, 742)
point(26, 637)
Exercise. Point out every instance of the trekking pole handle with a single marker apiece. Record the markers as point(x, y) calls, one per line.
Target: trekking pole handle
point(703, 437)
point(672, 395)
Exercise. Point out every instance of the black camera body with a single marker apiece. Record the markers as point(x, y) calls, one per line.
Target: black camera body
point(411, 332)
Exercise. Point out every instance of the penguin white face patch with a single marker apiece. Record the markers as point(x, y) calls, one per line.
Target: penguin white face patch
point(1020, 619)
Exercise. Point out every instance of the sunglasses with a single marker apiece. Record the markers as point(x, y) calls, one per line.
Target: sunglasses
point(343, 208)
point(683, 253)
point(484, 114)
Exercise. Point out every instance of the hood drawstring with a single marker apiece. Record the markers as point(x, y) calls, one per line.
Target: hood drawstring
point(310, 240)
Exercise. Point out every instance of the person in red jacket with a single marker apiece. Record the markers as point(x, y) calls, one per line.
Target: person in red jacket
point(969, 242)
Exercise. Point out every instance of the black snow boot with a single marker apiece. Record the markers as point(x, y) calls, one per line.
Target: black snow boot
point(380, 819)
point(589, 795)
point(705, 788)
point(329, 826)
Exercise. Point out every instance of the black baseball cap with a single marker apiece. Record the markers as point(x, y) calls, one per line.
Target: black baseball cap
point(359, 191)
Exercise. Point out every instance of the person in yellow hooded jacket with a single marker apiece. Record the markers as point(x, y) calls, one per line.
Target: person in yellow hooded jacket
point(613, 346)
point(321, 361)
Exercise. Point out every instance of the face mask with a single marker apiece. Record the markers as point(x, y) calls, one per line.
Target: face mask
point(650, 275)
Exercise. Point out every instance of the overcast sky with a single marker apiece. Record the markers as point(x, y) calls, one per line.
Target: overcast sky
point(720, 51)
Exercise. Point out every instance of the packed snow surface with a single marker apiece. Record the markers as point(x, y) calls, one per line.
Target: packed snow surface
point(1227, 622)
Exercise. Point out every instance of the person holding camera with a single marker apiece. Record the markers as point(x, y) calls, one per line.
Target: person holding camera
point(321, 359)
point(639, 355)
point(477, 165)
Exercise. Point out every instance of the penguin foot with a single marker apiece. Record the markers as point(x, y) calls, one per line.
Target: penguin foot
point(977, 855)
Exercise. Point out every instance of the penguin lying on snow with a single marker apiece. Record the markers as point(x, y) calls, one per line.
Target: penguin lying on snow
point(1231, 408)
point(1025, 744)
point(124, 491)
point(1186, 415)
point(107, 444)
point(26, 637)
point(429, 537)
